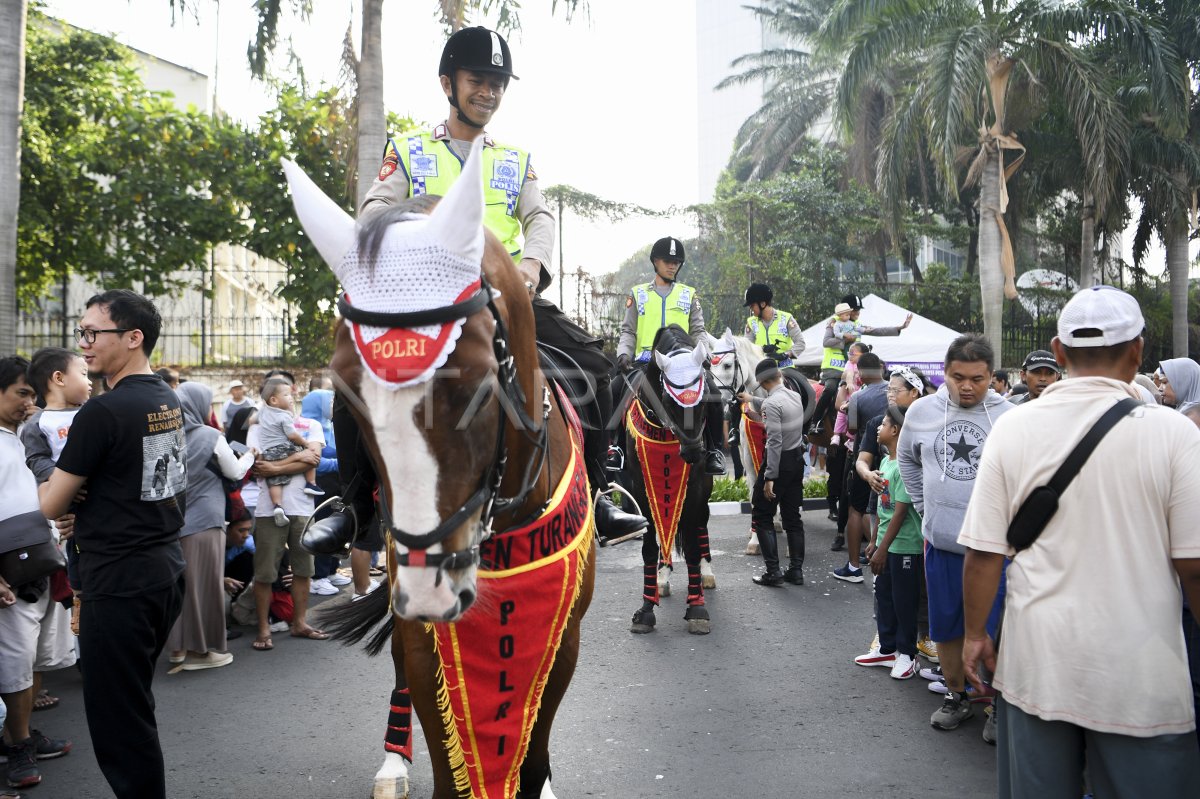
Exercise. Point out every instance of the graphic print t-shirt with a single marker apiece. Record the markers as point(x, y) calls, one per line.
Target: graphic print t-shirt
point(129, 445)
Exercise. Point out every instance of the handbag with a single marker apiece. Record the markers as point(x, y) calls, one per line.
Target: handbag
point(34, 555)
point(1042, 503)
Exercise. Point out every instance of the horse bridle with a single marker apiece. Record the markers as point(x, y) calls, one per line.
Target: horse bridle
point(659, 413)
point(485, 498)
point(738, 378)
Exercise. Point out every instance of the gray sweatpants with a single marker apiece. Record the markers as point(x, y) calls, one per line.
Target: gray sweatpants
point(1038, 759)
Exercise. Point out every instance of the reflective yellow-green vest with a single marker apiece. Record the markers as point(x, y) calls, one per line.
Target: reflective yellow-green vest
point(774, 333)
point(834, 359)
point(655, 312)
point(432, 167)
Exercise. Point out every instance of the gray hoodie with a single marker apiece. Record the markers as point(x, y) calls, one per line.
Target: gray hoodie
point(939, 451)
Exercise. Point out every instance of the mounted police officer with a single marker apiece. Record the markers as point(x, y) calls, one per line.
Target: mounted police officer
point(654, 305)
point(776, 331)
point(475, 69)
point(841, 330)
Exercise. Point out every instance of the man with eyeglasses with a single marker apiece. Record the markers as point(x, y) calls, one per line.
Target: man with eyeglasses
point(126, 453)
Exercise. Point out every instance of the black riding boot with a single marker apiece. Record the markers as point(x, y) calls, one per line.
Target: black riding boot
point(714, 425)
point(770, 554)
point(795, 570)
point(611, 521)
point(331, 535)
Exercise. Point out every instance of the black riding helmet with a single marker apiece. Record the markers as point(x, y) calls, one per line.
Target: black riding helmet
point(669, 249)
point(479, 50)
point(758, 292)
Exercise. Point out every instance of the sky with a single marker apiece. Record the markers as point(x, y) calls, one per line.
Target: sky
point(597, 126)
point(619, 122)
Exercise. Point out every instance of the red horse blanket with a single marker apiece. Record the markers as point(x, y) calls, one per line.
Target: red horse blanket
point(496, 661)
point(756, 440)
point(663, 471)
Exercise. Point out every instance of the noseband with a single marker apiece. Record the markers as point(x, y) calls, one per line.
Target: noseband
point(486, 498)
point(739, 381)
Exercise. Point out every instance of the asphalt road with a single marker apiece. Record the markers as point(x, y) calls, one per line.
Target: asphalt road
point(770, 704)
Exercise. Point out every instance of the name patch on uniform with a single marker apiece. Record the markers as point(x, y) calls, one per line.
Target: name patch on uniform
point(424, 165)
point(506, 172)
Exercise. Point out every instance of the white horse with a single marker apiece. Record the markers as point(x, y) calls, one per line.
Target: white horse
point(732, 365)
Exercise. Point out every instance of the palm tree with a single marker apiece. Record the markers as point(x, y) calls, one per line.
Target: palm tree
point(1166, 172)
point(798, 86)
point(12, 80)
point(1009, 55)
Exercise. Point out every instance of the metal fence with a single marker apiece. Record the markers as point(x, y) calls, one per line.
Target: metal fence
point(191, 340)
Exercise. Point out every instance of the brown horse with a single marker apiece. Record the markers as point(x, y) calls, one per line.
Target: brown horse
point(438, 361)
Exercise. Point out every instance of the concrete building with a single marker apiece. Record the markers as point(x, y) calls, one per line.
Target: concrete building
point(239, 319)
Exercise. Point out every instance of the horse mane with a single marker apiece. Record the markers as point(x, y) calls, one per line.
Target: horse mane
point(667, 340)
point(374, 225)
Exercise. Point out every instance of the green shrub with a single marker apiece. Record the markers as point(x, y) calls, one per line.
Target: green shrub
point(815, 487)
point(726, 489)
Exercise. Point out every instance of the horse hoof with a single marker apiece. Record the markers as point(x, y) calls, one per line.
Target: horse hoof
point(643, 622)
point(699, 626)
point(708, 580)
point(391, 781)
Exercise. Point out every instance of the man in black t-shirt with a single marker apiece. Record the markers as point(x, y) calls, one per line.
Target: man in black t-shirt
point(126, 452)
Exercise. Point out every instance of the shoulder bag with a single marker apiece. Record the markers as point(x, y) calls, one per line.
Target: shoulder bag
point(1041, 505)
point(31, 552)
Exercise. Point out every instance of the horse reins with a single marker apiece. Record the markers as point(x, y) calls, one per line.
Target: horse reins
point(486, 498)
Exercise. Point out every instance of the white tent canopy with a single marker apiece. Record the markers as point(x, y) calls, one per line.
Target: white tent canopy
point(923, 342)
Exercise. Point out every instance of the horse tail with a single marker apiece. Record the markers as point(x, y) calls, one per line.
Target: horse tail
point(351, 622)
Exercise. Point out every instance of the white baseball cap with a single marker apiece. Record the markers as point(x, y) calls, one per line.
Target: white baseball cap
point(236, 384)
point(1101, 316)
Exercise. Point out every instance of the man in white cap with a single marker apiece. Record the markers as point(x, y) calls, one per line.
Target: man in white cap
point(1096, 597)
point(237, 400)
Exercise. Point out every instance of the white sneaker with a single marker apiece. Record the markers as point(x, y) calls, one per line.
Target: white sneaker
point(280, 627)
point(876, 658)
point(209, 660)
point(905, 668)
point(357, 596)
point(339, 579)
point(322, 587)
point(281, 518)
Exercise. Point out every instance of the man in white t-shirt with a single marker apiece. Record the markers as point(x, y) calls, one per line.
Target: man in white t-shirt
point(270, 539)
point(1092, 671)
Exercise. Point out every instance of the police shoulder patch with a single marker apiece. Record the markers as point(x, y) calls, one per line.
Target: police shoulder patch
point(529, 173)
point(388, 166)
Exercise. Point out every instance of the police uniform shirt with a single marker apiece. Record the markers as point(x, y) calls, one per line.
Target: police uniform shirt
point(783, 416)
point(629, 325)
point(537, 221)
point(793, 330)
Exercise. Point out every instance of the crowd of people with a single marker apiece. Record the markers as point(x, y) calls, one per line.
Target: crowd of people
point(183, 573)
point(972, 536)
point(929, 486)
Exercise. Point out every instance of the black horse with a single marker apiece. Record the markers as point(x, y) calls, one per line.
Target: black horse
point(665, 473)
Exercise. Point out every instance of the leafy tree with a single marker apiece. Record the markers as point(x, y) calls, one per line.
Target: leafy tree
point(1012, 54)
point(116, 180)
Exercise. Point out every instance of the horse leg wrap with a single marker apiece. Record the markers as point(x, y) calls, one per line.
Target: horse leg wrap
point(705, 552)
point(695, 591)
point(399, 727)
point(650, 584)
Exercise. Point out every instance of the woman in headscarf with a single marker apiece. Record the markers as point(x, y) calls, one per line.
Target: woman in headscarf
point(1180, 383)
point(235, 434)
point(198, 640)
